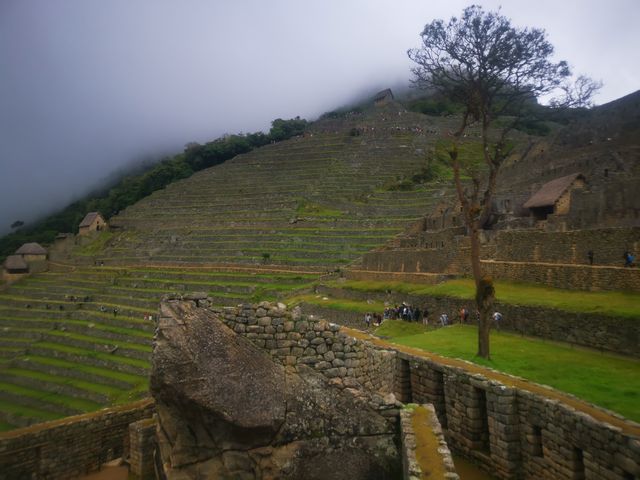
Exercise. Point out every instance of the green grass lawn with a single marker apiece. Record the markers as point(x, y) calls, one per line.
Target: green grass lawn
point(607, 380)
point(619, 304)
point(337, 303)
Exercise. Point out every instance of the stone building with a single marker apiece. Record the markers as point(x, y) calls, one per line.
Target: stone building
point(92, 222)
point(32, 252)
point(15, 264)
point(383, 97)
point(14, 268)
point(554, 197)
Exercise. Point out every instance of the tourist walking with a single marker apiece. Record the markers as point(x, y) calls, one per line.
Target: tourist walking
point(497, 318)
point(628, 259)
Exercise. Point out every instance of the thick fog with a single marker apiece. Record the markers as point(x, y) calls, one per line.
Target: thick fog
point(88, 86)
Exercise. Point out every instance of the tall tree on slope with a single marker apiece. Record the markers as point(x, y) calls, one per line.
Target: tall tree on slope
point(493, 69)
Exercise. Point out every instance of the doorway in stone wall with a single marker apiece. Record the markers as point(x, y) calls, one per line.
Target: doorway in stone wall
point(403, 389)
point(481, 423)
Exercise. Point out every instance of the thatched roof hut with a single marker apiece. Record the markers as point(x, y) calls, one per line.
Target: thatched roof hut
point(16, 264)
point(31, 248)
point(554, 196)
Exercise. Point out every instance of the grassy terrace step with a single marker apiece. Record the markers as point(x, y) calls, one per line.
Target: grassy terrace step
point(90, 357)
point(55, 300)
point(96, 317)
point(52, 402)
point(10, 352)
point(213, 275)
point(80, 372)
point(22, 416)
point(92, 392)
point(62, 306)
point(244, 260)
point(126, 348)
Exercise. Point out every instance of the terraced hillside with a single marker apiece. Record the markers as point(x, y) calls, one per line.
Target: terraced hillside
point(74, 340)
point(258, 227)
point(320, 201)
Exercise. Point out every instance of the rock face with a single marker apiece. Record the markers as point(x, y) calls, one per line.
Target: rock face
point(227, 411)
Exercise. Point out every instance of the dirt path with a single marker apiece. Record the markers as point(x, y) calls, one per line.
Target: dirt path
point(627, 426)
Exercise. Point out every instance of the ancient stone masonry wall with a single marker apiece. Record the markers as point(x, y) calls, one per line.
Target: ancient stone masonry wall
point(433, 448)
point(432, 260)
point(433, 239)
point(70, 447)
point(615, 204)
point(234, 406)
point(517, 433)
point(568, 277)
point(607, 244)
point(142, 443)
point(292, 339)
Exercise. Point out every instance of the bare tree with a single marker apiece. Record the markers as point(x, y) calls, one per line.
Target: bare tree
point(493, 69)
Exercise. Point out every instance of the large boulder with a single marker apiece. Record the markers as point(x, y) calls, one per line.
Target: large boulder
point(227, 411)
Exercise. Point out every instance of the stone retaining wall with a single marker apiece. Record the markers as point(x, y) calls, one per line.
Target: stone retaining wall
point(413, 447)
point(607, 244)
point(142, 443)
point(292, 339)
point(70, 447)
point(387, 264)
point(568, 277)
point(516, 433)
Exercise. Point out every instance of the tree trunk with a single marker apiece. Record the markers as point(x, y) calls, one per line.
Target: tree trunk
point(485, 294)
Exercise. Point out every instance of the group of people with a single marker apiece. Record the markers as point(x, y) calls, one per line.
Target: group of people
point(409, 313)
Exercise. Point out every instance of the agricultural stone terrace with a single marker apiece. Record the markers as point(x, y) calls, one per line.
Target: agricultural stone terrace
point(316, 201)
point(64, 351)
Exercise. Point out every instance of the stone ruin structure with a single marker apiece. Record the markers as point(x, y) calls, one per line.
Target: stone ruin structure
point(563, 214)
point(227, 410)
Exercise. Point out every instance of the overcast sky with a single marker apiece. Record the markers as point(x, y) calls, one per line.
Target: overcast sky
point(88, 85)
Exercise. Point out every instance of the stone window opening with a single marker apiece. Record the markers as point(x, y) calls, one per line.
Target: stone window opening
point(442, 411)
point(482, 425)
point(536, 442)
point(578, 464)
point(403, 381)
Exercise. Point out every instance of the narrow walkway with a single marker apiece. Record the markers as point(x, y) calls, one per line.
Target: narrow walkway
point(627, 426)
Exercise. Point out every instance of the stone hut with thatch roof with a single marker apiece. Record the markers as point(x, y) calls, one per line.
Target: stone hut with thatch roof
point(16, 264)
point(92, 222)
point(554, 197)
point(14, 268)
point(383, 97)
point(35, 256)
point(32, 252)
